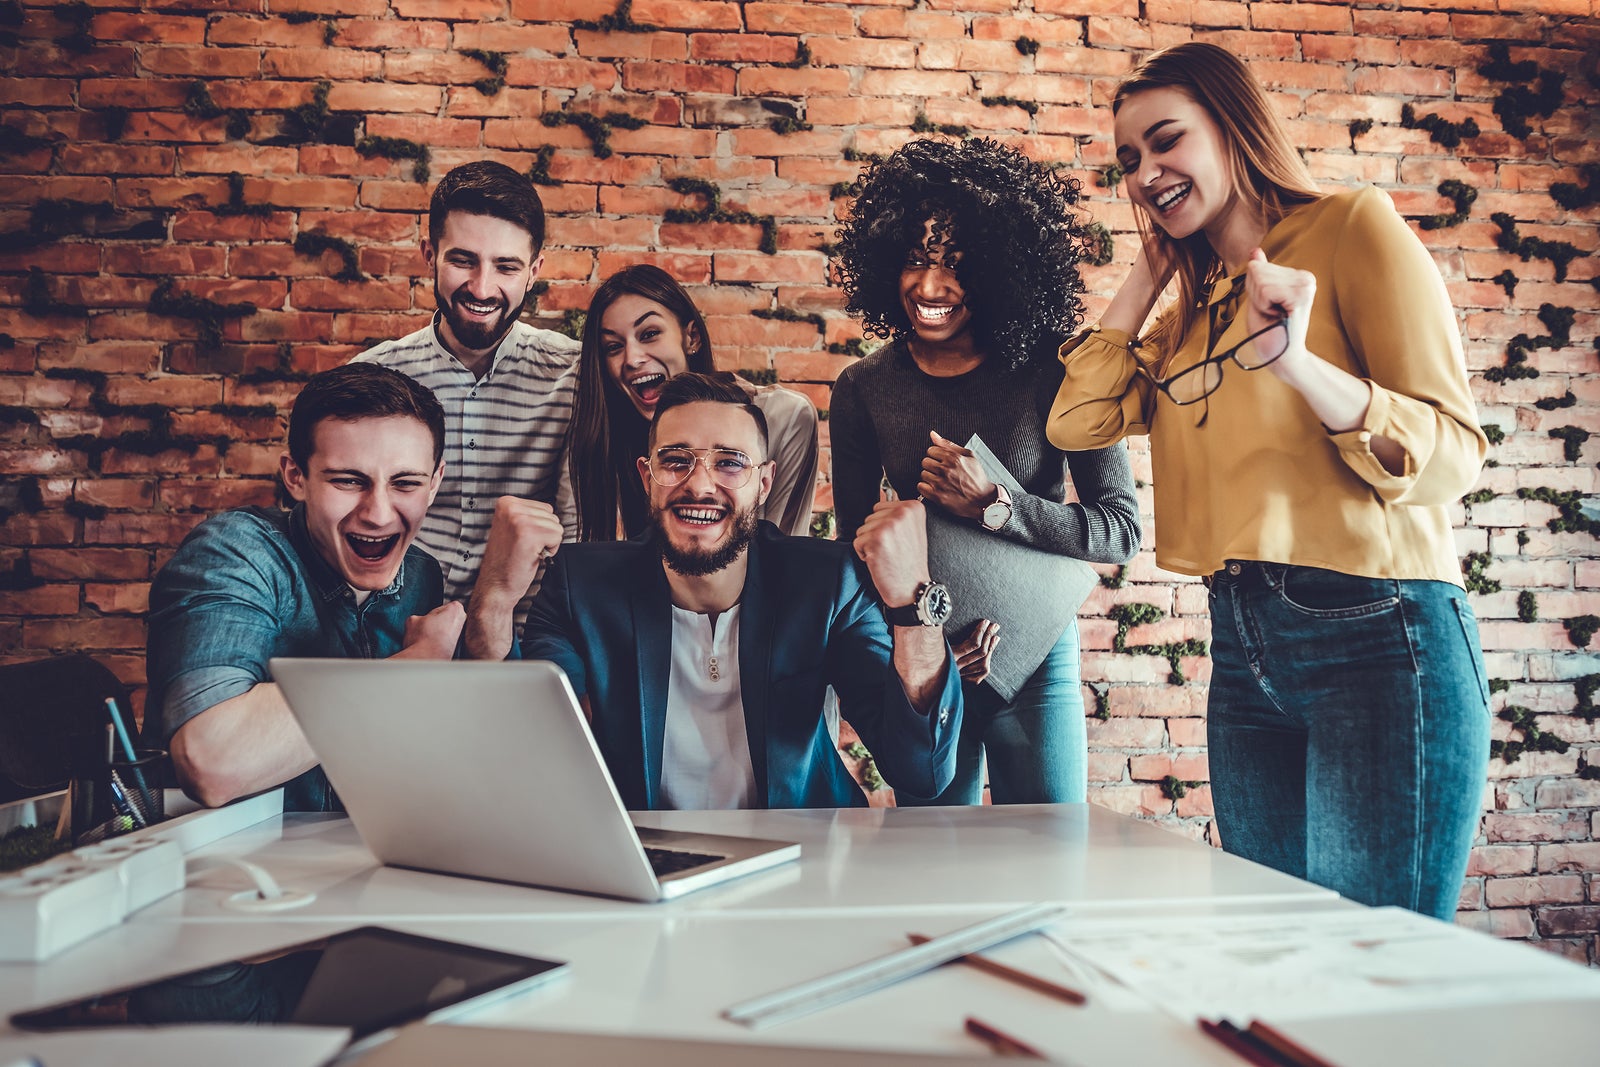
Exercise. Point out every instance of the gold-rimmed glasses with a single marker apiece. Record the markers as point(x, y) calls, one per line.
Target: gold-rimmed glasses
point(728, 467)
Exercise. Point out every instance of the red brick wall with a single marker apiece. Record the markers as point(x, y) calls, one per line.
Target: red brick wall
point(122, 424)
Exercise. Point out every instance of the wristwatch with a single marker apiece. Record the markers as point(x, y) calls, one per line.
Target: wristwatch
point(997, 514)
point(931, 607)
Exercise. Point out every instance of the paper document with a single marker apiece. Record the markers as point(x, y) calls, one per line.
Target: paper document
point(1309, 965)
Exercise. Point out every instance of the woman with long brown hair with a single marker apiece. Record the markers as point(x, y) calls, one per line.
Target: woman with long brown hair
point(1310, 425)
point(641, 330)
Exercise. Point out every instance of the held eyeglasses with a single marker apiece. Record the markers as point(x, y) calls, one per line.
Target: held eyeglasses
point(728, 467)
point(1193, 384)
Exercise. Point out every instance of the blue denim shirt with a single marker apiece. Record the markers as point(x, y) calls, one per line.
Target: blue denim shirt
point(248, 585)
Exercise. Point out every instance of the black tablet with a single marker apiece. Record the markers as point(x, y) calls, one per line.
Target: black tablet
point(368, 980)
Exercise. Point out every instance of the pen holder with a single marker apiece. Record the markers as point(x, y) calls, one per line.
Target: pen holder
point(117, 797)
point(138, 783)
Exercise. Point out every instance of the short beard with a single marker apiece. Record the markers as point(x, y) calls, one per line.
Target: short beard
point(698, 564)
point(470, 335)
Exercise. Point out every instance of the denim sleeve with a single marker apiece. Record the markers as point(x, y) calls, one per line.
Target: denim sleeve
point(215, 612)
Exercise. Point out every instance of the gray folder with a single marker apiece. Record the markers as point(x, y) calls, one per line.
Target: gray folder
point(1032, 593)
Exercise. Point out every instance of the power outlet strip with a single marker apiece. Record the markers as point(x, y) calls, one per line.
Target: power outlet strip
point(54, 905)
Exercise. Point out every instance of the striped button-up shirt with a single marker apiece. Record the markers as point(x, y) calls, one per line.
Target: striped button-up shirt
point(505, 435)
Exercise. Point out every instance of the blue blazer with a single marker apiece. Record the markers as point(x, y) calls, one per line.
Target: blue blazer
point(808, 619)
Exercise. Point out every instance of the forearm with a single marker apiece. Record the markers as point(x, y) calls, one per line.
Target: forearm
point(1340, 401)
point(921, 658)
point(241, 746)
point(1136, 297)
point(490, 626)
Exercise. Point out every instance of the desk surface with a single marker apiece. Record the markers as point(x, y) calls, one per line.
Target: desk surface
point(980, 859)
point(867, 879)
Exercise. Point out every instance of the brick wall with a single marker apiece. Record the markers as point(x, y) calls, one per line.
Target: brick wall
point(204, 200)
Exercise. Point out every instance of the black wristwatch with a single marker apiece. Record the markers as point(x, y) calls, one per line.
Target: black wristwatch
point(931, 607)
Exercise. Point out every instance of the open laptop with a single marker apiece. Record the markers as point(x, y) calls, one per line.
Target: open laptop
point(489, 770)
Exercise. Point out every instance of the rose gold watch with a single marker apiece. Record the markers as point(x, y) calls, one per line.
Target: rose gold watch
point(996, 515)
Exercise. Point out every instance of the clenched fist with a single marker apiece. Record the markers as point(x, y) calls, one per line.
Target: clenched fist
point(893, 543)
point(434, 635)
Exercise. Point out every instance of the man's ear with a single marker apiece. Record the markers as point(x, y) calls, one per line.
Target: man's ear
point(644, 473)
point(533, 272)
point(294, 479)
point(769, 471)
point(428, 253)
point(436, 481)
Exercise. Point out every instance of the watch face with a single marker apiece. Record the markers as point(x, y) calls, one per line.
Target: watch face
point(935, 606)
point(995, 515)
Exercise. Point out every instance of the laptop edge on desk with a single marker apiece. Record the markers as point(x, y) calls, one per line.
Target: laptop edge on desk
point(489, 770)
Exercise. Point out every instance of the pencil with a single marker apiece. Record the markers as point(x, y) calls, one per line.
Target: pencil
point(1234, 1040)
point(1002, 1043)
point(1011, 974)
point(1286, 1047)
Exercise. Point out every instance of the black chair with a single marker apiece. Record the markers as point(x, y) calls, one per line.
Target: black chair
point(52, 719)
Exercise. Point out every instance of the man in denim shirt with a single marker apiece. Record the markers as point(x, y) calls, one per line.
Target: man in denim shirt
point(337, 576)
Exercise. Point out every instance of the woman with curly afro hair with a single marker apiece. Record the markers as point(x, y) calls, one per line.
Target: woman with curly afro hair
point(965, 256)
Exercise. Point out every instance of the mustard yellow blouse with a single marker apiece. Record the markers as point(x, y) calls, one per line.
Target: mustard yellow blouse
point(1251, 473)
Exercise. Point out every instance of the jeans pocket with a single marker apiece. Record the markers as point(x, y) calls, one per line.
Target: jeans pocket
point(1469, 633)
point(1325, 594)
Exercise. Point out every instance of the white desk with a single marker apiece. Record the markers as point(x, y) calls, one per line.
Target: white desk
point(981, 859)
point(867, 878)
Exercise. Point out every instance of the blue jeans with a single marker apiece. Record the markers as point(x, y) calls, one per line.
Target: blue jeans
point(1037, 744)
point(1349, 730)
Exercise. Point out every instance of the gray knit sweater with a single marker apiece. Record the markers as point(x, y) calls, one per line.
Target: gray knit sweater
point(884, 405)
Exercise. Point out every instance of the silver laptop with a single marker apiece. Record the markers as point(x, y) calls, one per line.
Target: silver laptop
point(489, 770)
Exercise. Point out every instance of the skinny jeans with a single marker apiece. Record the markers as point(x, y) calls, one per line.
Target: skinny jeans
point(1348, 728)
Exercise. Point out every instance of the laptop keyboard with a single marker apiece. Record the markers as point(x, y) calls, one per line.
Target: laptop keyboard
point(665, 861)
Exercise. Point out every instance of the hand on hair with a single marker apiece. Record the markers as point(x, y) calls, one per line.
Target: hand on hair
point(953, 478)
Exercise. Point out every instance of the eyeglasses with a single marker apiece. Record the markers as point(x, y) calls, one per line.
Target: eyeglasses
point(1193, 384)
point(728, 467)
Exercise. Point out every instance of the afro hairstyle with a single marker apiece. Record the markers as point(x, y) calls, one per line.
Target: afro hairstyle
point(1014, 221)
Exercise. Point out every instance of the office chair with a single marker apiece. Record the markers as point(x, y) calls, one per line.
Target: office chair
point(52, 717)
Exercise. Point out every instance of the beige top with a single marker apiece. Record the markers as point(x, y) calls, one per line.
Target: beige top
point(1251, 473)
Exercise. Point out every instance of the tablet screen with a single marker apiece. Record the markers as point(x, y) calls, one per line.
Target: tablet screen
point(366, 980)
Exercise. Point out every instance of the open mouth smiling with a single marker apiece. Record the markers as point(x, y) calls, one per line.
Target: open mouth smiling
point(647, 387)
point(1171, 198)
point(481, 309)
point(371, 549)
point(935, 314)
point(699, 514)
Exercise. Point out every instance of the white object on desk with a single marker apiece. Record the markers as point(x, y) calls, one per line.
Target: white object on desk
point(429, 1046)
point(180, 1046)
point(869, 977)
point(49, 907)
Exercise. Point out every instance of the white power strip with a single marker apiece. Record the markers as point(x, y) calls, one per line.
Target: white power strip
point(54, 905)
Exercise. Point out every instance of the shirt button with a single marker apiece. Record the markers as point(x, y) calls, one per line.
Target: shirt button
point(466, 555)
point(471, 503)
point(1365, 437)
point(1235, 568)
point(472, 444)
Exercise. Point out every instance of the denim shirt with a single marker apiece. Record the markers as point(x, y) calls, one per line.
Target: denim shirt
point(248, 585)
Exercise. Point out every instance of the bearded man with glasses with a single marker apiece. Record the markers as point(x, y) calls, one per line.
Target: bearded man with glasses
point(702, 649)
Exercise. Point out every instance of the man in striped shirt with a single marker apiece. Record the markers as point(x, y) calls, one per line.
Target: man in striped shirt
point(506, 387)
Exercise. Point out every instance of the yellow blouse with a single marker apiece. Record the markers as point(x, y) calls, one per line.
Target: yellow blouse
point(1251, 473)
